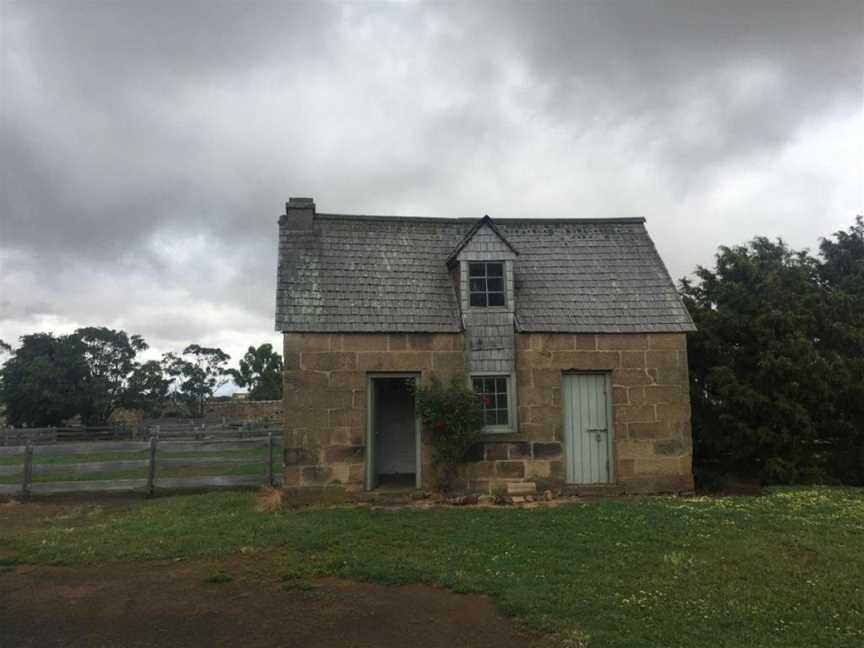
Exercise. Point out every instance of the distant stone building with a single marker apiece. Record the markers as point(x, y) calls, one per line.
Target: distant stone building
point(571, 329)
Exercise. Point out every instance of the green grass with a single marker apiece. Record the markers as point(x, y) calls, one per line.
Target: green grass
point(781, 570)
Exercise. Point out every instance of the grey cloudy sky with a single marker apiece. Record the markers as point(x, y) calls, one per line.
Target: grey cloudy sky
point(147, 148)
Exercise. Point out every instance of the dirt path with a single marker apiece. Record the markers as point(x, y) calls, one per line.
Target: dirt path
point(166, 605)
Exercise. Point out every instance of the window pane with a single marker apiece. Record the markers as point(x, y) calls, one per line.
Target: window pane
point(478, 385)
point(496, 299)
point(489, 417)
point(478, 299)
point(502, 417)
point(476, 269)
point(495, 269)
point(501, 385)
point(501, 401)
point(478, 285)
point(495, 285)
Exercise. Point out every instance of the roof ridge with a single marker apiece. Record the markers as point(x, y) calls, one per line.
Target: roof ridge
point(486, 220)
point(463, 219)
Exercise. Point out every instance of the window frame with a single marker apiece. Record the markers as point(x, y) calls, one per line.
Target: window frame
point(512, 424)
point(485, 279)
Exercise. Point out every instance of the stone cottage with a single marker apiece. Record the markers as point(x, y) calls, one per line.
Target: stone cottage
point(571, 329)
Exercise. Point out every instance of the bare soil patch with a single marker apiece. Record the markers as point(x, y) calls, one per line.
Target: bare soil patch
point(168, 604)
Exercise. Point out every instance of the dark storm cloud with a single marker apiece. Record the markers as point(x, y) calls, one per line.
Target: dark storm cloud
point(146, 148)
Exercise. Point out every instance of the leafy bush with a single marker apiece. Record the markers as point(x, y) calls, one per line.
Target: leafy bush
point(452, 414)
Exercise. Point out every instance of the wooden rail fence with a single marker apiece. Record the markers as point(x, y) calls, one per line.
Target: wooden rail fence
point(47, 435)
point(27, 468)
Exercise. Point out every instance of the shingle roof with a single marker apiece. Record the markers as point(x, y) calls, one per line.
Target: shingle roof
point(389, 274)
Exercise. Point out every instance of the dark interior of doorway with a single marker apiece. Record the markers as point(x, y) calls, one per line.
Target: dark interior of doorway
point(396, 440)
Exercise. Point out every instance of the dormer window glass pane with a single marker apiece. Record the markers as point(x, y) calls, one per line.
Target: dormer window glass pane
point(486, 283)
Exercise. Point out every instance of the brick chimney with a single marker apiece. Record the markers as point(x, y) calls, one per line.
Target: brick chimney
point(299, 214)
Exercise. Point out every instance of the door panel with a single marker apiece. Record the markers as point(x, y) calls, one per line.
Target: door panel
point(588, 434)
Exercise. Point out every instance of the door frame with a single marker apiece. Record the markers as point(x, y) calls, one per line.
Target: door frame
point(371, 472)
point(568, 450)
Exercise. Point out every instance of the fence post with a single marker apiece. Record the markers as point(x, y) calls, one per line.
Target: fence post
point(151, 467)
point(270, 458)
point(28, 470)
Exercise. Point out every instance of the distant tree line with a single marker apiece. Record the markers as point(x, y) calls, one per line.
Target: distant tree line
point(93, 371)
point(777, 365)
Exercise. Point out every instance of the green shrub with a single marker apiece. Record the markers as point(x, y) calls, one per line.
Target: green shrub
point(453, 417)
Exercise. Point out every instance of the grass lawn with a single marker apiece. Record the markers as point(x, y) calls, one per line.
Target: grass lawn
point(786, 569)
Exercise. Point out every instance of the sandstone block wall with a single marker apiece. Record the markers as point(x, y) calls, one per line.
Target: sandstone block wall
point(650, 400)
point(325, 383)
point(243, 410)
point(324, 397)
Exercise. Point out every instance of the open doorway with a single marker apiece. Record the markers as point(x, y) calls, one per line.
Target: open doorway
point(394, 430)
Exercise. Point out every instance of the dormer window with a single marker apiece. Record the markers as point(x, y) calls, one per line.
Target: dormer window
point(486, 283)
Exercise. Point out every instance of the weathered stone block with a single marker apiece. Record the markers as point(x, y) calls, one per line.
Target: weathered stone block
point(590, 360)
point(291, 476)
point(677, 341)
point(669, 447)
point(673, 412)
point(533, 396)
point(291, 360)
point(647, 430)
point(633, 359)
point(307, 342)
point(537, 469)
point(557, 342)
point(297, 379)
point(329, 361)
point(448, 361)
point(620, 395)
point(661, 359)
point(510, 468)
point(479, 470)
point(347, 380)
point(495, 451)
point(630, 413)
point(546, 450)
point(339, 473)
point(305, 418)
point(657, 466)
point(523, 342)
point(534, 359)
point(323, 399)
point(364, 342)
point(394, 361)
point(626, 468)
point(356, 473)
point(315, 475)
point(630, 377)
point(546, 379)
point(519, 450)
point(663, 394)
point(671, 376)
point(634, 449)
point(344, 454)
point(299, 456)
point(397, 342)
point(620, 342)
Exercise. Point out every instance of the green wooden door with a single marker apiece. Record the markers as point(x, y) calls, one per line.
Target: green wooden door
point(587, 428)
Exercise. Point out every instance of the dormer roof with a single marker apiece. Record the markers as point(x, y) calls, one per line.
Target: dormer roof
point(469, 236)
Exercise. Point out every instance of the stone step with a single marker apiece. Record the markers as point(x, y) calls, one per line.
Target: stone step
point(521, 488)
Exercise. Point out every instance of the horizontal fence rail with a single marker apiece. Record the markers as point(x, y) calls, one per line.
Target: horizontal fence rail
point(73, 434)
point(153, 455)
